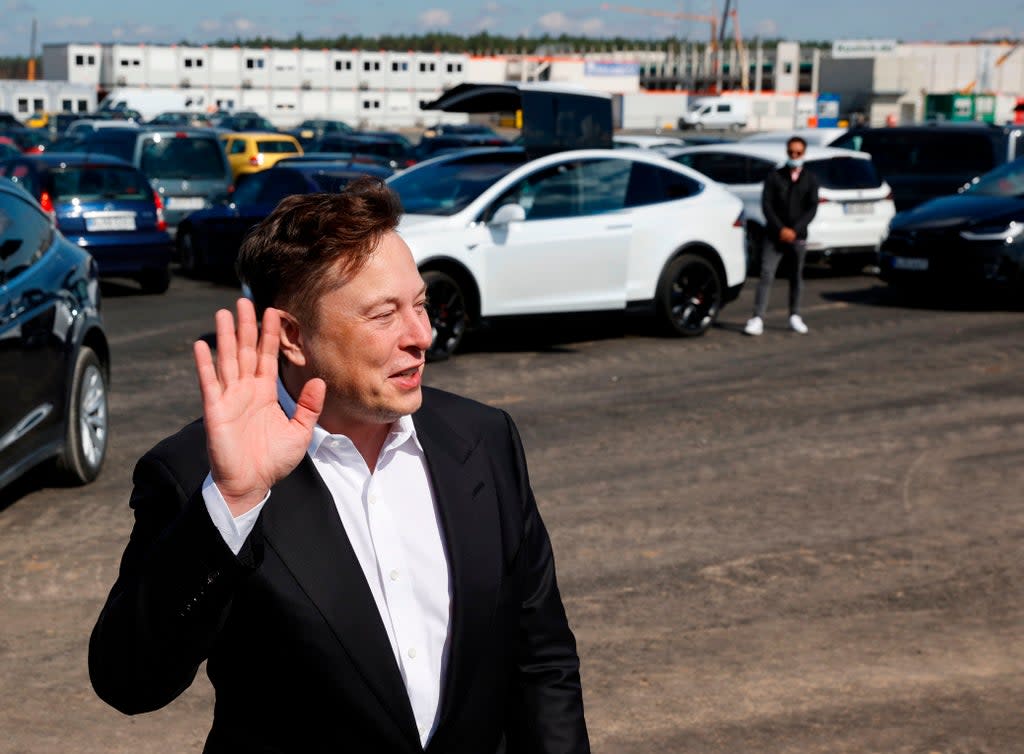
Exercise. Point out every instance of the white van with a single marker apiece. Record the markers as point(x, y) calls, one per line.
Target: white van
point(716, 112)
point(151, 102)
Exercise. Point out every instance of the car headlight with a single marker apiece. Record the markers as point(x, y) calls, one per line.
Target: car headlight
point(1007, 233)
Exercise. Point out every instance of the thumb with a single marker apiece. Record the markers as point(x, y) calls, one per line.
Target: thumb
point(309, 404)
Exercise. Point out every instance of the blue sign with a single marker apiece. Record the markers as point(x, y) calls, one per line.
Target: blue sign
point(611, 69)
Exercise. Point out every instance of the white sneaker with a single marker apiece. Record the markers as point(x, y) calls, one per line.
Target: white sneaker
point(796, 324)
point(754, 326)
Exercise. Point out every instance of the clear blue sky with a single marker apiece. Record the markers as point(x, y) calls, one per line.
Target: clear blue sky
point(165, 21)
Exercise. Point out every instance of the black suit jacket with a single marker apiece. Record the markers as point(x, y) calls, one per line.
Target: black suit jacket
point(295, 646)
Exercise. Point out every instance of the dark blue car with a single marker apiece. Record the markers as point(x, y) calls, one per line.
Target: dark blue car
point(104, 205)
point(208, 240)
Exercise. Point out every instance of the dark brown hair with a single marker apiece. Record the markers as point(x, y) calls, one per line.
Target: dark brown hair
point(797, 140)
point(311, 243)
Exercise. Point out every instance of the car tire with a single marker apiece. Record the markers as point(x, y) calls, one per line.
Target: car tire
point(449, 318)
point(191, 263)
point(689, 296)
point(88, 421)
point(155, 281)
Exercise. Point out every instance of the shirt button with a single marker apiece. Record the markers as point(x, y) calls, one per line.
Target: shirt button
point(394, 575)
point(412, 653)
point(372, 499)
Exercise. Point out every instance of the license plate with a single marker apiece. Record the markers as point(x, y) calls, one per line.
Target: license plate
point(110, 222)
point(916, 264)
point(859, 208)
point(185, 202)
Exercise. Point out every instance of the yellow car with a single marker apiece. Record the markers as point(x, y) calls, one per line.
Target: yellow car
point(252, 151)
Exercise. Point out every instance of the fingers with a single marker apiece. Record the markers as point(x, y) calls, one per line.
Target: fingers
point(247, 336)
point(270, 343)
point(209, 386)
point(227, 348)
point(310, 404)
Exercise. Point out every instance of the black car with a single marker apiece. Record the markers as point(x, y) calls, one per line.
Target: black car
point(245, 121)
point(448, 143)
point(393, 147)
point(9, 121)
point(208, 240)
point(310, 131)
point(55, 361)
point(461, 129)
point(962, 243)
point(922, 162)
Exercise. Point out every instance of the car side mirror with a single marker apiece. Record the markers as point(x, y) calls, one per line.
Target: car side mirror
point(508, 213)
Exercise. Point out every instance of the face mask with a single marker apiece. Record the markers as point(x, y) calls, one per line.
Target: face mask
point(794, 164)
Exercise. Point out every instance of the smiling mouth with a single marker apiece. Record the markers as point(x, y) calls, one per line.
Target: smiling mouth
point(407, 372)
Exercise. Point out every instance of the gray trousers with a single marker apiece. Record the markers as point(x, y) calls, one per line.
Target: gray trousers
point(772, 253)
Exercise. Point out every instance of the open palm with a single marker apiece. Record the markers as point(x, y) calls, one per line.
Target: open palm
point(251, 443)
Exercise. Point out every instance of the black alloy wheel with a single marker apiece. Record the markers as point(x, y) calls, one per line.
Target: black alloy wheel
point(690, 295)
point(446, 307)
point(191, 265)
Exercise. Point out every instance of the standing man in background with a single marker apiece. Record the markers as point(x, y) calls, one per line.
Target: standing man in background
point(789, 201)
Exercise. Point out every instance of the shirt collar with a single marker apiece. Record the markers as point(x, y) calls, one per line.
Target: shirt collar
point(402, 430)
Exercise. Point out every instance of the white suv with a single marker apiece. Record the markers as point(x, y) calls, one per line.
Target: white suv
point(855, 203)
point(497, 234)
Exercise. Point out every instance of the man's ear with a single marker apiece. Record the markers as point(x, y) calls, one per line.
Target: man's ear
point(292, 343)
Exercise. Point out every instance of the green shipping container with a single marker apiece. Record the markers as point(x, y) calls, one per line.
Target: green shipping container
point(960, 108)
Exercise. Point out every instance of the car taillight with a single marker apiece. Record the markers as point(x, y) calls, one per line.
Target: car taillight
point(256, 159)
point(823, 200)
point(47, 203)
point(409, 162)
point(161, 223)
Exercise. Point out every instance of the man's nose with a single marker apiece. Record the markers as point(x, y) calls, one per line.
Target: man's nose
point(419, 330)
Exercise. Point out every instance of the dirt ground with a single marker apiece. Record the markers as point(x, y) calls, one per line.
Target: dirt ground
point(776, 544)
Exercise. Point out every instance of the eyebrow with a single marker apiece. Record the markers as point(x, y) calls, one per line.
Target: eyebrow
point(393, 299)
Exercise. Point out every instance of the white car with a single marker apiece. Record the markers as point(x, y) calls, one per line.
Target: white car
point(855, 204)
point(814, 137)
point(496, 233)
point(645, 141)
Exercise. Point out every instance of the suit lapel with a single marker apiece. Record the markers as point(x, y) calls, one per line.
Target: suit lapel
point(302, 525)
point(464, 491)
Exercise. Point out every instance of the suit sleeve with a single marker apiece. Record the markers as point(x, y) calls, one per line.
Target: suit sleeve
point(548, 718)
point(809, 207)
point(172, 592)
point(769, 202)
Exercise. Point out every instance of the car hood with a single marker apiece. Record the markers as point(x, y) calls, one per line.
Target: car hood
point(418, 224)
point(959, 210)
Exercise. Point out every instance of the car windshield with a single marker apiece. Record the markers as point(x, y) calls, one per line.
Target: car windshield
point(1007, 180)
point(843, 173)
point(448, 187)
point(182, 157)
point(92, 182)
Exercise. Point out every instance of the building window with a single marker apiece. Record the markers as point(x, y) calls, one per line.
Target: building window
point(787, 68)
point(125, 63)
point(254, 63)
point(136, 63)
point(451, 68)
point(37, 105)
point(66, 105)
point(79, 60)
point(188, 62)
point(22, 104)
point(397, 66)
point(423, 67)
point(92, 60)
point(83, 105)
point(199, 62)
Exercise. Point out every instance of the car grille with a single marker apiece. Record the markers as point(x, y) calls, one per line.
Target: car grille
point(919, 243)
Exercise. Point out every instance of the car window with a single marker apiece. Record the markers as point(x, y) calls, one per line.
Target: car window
point(448, 187)
point(1007, 180)
point(25, 235)
point(194, 158)
point(116, 145)
point(719, 166)
point(19, 173)
point(758, 170)
point(923, 153)
point(237, 146)
point(99, 182)
point(844, 173)
point(650, 184)
point(276, 147)
point(603, 184)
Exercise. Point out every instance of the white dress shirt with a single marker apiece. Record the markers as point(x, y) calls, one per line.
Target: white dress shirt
point(392, 523)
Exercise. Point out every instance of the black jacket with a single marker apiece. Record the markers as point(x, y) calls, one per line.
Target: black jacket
point(789, 204)
point(296, 650)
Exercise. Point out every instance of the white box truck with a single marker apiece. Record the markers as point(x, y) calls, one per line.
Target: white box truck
point(151, 102)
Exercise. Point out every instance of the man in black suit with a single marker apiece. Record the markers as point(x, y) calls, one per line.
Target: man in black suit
point(789, 201)
point(359, 558)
